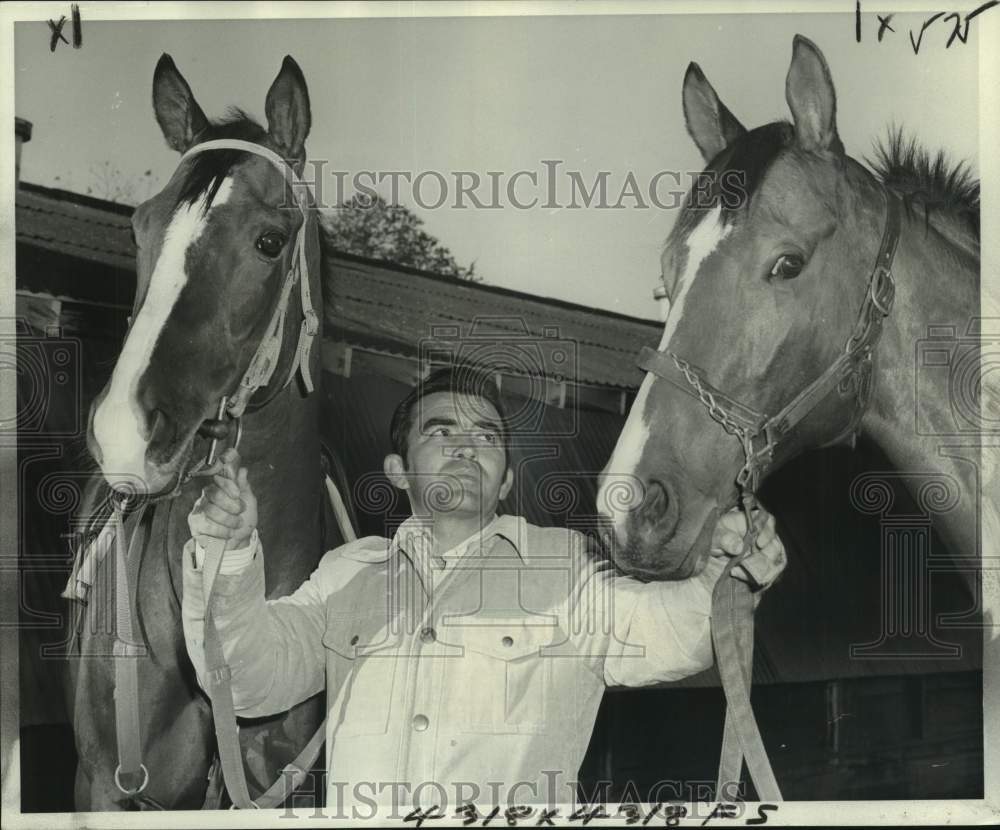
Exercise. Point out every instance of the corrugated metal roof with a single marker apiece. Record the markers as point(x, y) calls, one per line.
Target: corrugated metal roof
point(378, 304)
point(79, 227)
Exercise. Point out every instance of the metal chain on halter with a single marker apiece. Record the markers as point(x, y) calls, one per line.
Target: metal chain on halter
point(708, 399)
point(750, 472)
point(732, 601)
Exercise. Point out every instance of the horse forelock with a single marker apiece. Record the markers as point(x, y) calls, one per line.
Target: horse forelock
point(733, 177)
point(727, 184)
point(206, 171)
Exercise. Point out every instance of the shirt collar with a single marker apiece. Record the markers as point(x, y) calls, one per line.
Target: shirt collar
point(414, 538)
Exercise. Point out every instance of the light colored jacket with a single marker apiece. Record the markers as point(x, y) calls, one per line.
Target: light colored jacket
point(459, 681)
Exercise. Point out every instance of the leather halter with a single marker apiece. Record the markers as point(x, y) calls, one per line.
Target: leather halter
point(760, 433)
point(265, 359)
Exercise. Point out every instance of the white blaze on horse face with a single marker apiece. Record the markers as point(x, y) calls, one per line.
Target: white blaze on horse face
point(119, 422)
point(621, 488)
point(621, 491)
point(700, 243)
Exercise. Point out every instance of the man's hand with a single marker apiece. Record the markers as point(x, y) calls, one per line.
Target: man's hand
point(728, 540)
point(227, 508)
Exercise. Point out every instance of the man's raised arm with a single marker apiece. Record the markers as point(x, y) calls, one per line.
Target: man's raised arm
point(273, 648)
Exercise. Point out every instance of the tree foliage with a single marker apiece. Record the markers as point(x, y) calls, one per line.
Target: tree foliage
point(371, 227)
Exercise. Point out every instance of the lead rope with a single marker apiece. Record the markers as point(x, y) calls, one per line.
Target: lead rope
point(732, 639)
point(732, 600)
point(218, 677)
point(217, 672)
point(126, 652)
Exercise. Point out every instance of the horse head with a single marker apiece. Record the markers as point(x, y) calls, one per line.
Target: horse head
point(215, 251)
point(765, 270)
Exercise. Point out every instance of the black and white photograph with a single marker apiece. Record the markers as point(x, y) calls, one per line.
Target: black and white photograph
point(475, 414)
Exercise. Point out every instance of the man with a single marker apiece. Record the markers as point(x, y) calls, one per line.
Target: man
point(464, 659)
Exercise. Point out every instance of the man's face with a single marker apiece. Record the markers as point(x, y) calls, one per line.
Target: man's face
point(456, 461)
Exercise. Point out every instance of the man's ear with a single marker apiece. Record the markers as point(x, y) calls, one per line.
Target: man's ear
point(508, 482)
point(395, 470)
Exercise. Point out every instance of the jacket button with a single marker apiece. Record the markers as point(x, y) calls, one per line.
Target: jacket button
point(354, 640)
point(428, 635)
point(508, 641)
point(420, 722)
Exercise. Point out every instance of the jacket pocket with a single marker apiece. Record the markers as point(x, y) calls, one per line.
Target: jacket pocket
point(504, 681)
point(361, 669)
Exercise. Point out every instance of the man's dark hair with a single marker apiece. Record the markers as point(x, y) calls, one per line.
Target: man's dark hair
point(458, 380)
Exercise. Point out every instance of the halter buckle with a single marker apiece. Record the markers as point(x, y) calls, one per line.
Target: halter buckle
point(310, 325)
point(121, 648)
point(882, 289)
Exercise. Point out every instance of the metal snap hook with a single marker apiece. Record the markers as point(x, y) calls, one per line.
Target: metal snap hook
point(137, 790)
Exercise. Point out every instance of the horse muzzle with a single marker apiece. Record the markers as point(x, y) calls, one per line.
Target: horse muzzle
point(679, 553)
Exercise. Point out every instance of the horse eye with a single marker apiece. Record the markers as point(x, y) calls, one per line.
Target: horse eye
point(270, 243)
point(787, 267)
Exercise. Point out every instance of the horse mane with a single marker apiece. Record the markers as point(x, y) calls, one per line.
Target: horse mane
point(209, 170)
point(933, 181)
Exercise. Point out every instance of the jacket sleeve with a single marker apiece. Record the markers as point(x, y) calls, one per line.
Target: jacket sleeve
point(638, 633)
point(274, 648)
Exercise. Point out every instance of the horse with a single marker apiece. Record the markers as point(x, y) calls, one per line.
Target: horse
point(800, 283)
point(216, 249)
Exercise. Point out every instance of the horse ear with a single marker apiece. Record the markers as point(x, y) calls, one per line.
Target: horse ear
point(811, 98)
point(709, 122)
point(287, 110)
point(178, 114)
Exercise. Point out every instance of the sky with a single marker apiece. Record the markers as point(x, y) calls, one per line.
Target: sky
point(594, 93)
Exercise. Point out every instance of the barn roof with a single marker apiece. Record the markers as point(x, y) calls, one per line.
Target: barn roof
point(369, 303)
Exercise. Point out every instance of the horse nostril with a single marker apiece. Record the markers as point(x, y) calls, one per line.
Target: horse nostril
point(656, 502)
point(161, 428)
point(214, 428)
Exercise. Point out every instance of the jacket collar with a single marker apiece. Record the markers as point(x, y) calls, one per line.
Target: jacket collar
point(374, 550)
point(416, 532)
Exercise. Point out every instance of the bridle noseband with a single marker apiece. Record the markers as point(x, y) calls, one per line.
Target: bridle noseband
point(759, 433)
